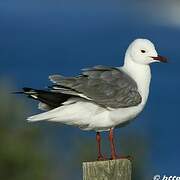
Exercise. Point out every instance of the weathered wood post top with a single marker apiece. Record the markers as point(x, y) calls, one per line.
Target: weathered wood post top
point(119, 169)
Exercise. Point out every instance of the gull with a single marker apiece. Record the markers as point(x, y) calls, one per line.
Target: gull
point(100, 98)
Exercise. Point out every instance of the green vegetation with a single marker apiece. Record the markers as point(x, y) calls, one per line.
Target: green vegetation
point(21, 154)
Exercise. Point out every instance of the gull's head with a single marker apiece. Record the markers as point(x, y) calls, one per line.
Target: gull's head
point(142, 51)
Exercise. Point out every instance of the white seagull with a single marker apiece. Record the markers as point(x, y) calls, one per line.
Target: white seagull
point(100, 98)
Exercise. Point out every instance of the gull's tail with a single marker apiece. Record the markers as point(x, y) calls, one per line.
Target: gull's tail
point(48, 101)
point(44, 116)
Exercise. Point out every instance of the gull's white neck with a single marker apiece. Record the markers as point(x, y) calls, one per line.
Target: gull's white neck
point(141, 74)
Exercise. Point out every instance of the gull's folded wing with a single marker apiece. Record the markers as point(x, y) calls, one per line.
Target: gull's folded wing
point(106, 86)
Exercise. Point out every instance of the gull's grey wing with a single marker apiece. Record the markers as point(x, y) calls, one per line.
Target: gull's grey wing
point(106, 86)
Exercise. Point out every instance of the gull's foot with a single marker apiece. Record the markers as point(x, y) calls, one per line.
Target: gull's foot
point(113, 157)
point(121, 157)
point(126, 157)
point(101, 158)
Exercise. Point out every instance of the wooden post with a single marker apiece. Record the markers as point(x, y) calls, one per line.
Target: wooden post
point(107, 170)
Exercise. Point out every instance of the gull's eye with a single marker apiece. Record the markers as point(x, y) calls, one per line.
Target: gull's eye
point(143, 51)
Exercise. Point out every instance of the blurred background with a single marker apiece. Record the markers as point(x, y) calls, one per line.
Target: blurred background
point(39, 38)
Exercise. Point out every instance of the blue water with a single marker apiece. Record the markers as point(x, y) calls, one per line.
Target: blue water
point(36, 41)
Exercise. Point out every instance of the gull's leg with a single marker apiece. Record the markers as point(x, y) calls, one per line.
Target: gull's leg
point(98, 139)
point(112, 145)
point(113, 149)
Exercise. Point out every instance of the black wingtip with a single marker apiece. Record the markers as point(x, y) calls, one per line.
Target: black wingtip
point(25, 89)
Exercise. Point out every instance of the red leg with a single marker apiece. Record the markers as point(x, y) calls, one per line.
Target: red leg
point(113, 150)
point(98, 139)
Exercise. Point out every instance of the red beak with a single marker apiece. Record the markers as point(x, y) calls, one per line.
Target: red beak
point(160, 58)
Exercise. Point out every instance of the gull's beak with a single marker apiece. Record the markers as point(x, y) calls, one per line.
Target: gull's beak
point(160, 58)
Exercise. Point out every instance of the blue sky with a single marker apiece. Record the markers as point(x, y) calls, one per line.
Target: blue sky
point(38, 38)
